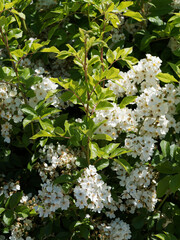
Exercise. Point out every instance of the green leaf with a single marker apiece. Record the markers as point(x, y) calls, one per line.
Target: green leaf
point(28, 120)
point(1, 5)
point(49, 111)
point(95, 151)
point(112, 73)
point(165, 148)
point(135, 15)
point(156, 20)
point(3, 21)
point(174, 183)
point(173, 149)
point(47, 125)
point(42, 133)
point(166, 236)
point(124, 5)
point(63, 179)
point(102, 137)
point(64, 55)
point(127, 100)
point(59, 131)
point(138, 222)
point(51, 50)
point(2, 210)
point(167, 167)
point(22, 211)
point(119, 151)
point(110, 56)
point(103, 105)
point(20, 14)
point(101, 164)
point(124, 164)
point(146, 40)
point(110, 148)
point(18, 53)
point(29, 110)
point(166, 78)
point(175, 68)
point(15, 33)
point(66, 96)
point(163, 186)
point(8, 217)
point(160, 7)
point(94, 59)
point(15, 199)
point(51, 93)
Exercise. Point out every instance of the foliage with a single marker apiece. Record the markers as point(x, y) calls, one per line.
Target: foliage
point(90, 119)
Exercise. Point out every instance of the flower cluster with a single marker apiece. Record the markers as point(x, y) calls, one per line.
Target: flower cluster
point(54, 157)
point(115, 230)
point(41, 89)
point(139, 186)
point(174, 44)
point(91, 191)
point(20, 230)
point(142, 146)
point(51, 197)
point(117, 121)
point(176, 4)
point(10, 112)
point(8, 188)
point(143, 73)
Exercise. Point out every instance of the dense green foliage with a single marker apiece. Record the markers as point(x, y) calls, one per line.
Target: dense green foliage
point(90, 119)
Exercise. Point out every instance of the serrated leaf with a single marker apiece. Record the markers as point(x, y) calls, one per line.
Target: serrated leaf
point(166, 78)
